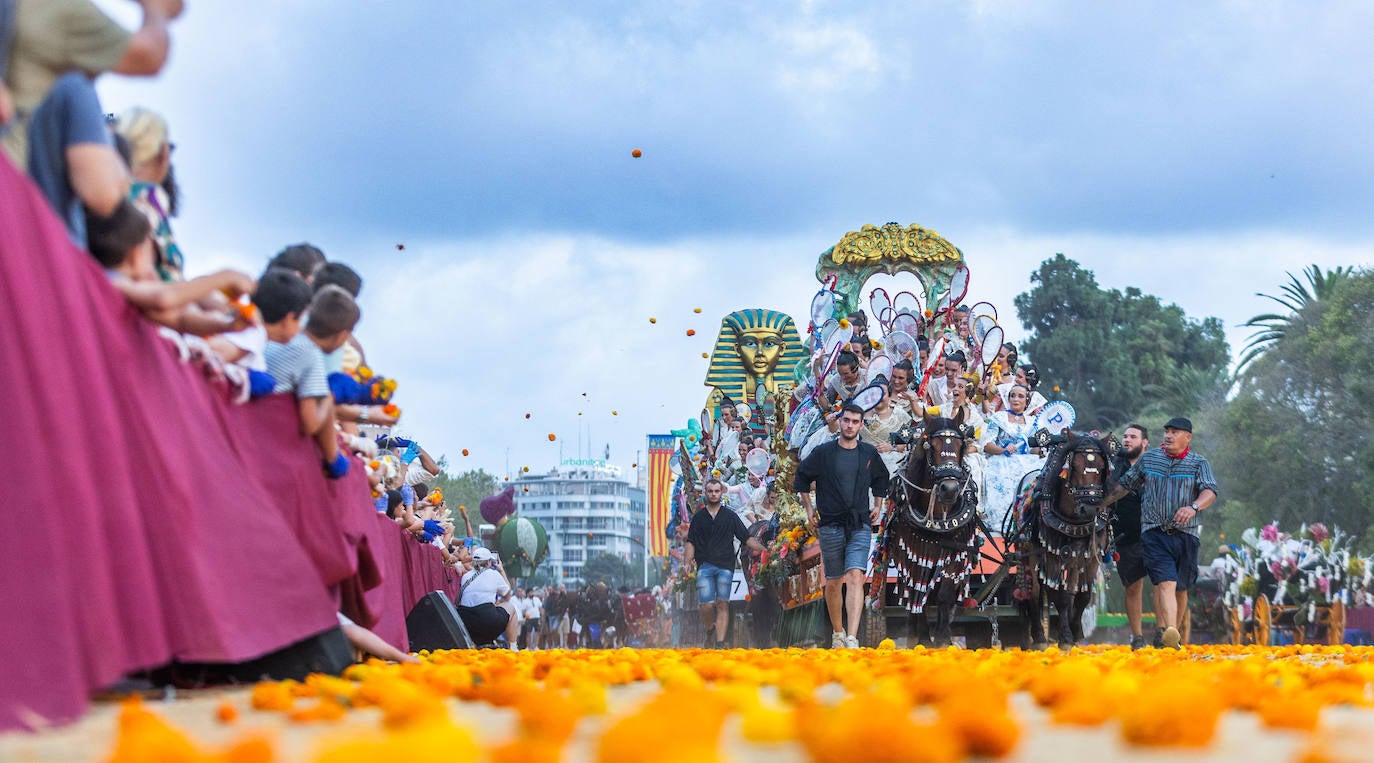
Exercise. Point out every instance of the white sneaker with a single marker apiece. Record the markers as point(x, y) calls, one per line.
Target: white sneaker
point(851, 642)
point(1172, 637)
point(837, 641)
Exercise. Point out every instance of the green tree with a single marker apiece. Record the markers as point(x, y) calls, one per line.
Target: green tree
point(610, 569)
point(467, 490)
point(1110, 352)
point(1295, 441)
point(1296, 296)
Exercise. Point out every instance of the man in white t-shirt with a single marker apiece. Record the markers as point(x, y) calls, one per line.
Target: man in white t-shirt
point(534, 613)
point(483, 587)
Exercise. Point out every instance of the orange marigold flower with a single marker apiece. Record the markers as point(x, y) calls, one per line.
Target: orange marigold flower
point(143, 735)
point(1189, 719)
point(273, 695)
point(327, 709)
point(227, 712)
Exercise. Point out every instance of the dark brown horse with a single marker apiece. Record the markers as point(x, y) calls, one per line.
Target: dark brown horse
point(1066, 533)
point(930, 535)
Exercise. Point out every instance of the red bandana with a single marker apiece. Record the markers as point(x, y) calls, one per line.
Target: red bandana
point(1180, 456)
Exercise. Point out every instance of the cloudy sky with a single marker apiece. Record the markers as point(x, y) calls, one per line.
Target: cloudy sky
point(1197, 150)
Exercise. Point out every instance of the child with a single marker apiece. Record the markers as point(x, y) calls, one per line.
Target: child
point(122, 243)
point(281, 299)
point(298, 366)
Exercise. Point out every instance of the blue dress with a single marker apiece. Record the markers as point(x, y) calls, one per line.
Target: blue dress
point(1002, 474)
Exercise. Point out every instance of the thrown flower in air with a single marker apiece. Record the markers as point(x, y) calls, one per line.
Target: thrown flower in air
point(552, 437)
point(844, 323)
point(400, 247)
point(1056, 388)
point(653, 320)
point(615, 413)
point(696, 309)
point(525, 469)
point(465, 451)
point(527, 415)
point(691, 332)
point(636, 153)
point(704, 355)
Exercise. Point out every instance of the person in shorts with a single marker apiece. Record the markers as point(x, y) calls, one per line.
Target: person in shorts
point(845, 471)
point(1176, 485)
point(711, 540)
point(1130, 561)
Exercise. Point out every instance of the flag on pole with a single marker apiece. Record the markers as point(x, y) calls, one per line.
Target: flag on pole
point(660, 491)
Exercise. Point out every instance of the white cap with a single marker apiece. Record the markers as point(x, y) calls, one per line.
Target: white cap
point(482, 554)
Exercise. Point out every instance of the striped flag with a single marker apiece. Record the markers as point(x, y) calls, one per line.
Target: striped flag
point(660, 491)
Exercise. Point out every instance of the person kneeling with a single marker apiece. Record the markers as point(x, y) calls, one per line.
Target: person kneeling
point(484, 601)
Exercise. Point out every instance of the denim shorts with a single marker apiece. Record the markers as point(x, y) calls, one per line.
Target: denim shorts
point(843, 549)
point(1170, 557)
point(713, 583)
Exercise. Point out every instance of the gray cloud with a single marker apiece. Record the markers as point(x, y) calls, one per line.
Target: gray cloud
point(493, 140)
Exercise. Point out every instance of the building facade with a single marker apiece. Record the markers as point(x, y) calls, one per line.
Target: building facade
point(587, 507)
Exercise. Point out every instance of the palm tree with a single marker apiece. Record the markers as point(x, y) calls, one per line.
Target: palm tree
point(1296, 296)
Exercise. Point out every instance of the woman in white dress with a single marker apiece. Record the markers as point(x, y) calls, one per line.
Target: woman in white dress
point(879, 424)
point(1009, 454)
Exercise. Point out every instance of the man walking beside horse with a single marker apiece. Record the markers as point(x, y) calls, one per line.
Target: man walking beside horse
point(1176, 485)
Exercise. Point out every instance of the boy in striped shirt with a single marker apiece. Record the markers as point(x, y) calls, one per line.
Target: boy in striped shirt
point(298, 366)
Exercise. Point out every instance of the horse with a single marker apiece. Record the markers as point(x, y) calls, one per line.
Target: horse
point(1065, 534)
point(930, 535)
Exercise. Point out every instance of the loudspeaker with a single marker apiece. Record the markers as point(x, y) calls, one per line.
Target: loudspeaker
point(434, 624)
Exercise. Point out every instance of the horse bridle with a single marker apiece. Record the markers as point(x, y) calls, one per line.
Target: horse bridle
point(941, 472)
point(1089, 495)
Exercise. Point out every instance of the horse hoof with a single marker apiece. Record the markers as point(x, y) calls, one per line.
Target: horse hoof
point(1065, 646)
point(1040, 646)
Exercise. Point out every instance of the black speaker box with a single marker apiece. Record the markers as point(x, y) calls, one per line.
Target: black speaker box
point(434, 624)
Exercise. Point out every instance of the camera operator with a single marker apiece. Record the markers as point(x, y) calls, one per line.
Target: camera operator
point(484, 600)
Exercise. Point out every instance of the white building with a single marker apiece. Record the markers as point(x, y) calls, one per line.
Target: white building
point(587, 508)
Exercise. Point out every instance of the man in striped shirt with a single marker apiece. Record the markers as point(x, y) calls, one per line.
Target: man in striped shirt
point(1175, 486)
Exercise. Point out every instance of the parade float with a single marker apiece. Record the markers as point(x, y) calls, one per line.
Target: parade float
point(1292, 588)
point(765, 381)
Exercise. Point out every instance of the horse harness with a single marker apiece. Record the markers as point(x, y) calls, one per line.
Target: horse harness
point(966, 506)
point(1087, 499)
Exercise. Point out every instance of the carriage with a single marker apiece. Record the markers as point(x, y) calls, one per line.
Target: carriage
point(760, 359)
point(1282, 588)
point(1264, 623)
